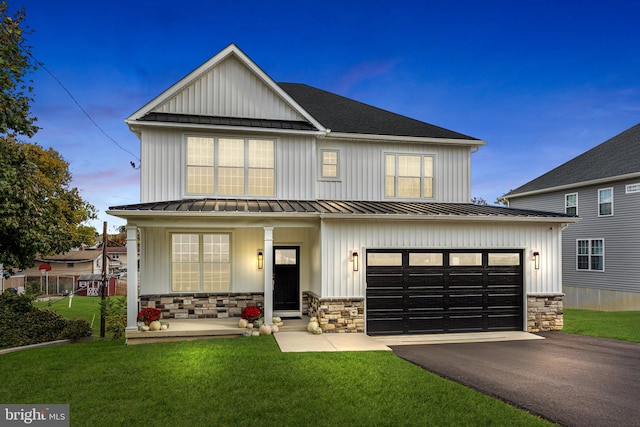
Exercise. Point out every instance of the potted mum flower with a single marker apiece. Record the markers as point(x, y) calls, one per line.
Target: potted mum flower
point(251, 313)
point(148, 315)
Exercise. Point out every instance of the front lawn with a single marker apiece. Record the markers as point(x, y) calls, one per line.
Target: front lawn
point(242, 381)
point(619, 325)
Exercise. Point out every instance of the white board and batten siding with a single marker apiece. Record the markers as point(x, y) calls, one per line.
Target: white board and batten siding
point(341, 238)
point(621, 234)
point(229, 89)
point(362, 169)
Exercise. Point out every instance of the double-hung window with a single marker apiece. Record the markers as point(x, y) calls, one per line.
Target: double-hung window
point(230, 166)
point(590, 254)
point(408, 176)
point(571, 204)
point(605, 202)
point(200, 262)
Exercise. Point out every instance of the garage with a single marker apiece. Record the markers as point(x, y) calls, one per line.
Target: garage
point(443, 291)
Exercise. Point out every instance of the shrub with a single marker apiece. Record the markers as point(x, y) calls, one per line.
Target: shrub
point(21, 323)
point(114, 310)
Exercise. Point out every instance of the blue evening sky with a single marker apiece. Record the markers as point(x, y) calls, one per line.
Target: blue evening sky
point(540, 81)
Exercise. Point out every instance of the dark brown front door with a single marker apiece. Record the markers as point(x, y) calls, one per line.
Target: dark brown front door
point(286, 277)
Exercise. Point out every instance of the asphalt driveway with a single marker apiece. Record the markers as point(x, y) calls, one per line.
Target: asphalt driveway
point(571, 380)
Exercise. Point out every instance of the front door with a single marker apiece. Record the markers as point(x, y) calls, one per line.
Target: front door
point(286, 278)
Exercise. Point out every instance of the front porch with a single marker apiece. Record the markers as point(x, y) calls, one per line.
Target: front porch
point(192, 329)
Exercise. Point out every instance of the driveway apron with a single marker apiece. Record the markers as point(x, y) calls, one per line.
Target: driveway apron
point(571, 380)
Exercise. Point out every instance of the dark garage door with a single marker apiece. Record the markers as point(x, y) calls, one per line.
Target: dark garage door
point(444, 291)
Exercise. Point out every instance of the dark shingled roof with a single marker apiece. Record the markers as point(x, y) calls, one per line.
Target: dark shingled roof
point(337, 207)
point(342, 114)
point(227, 121)
point(617, 156)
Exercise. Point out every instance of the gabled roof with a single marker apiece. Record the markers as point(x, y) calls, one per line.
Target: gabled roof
point(334, 208)
point(308, 109)
point(75, 256)
point(616, 158)
point(340, 114)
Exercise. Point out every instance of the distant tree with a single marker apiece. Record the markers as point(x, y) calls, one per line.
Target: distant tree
point(41, 212)
point(85, 234)
point(479, 201)
point(502, 201)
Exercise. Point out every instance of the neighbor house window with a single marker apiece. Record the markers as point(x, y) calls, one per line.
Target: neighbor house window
point(330, 168)
point(590, 254)
point(632, 188)
point(408, 176)
point(230, 166)
point(571, 204)
point(200, 262)
point(605, 202)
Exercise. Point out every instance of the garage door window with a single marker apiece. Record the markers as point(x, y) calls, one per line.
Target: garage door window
point(417, 259)
point(504, 259)
point(381, 259)
point(465, 259)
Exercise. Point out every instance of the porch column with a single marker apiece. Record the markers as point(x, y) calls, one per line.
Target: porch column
point(132, 278)
point(268, 274)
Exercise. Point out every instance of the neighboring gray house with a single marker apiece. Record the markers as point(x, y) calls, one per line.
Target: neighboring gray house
point(309, 203)
point(601, 253)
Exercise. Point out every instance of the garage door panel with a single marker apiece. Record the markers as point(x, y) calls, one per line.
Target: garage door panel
point(458, 293)
point(469, 280)
point(426, 280)
point(428, 302)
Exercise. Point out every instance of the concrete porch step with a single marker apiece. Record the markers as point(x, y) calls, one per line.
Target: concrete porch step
point(190, 329)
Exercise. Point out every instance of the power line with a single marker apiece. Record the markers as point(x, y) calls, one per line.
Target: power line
point(73, 98)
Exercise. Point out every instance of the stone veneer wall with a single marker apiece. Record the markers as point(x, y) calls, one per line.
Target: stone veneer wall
point(335, 314)
point(201, 306)
point(544, 312)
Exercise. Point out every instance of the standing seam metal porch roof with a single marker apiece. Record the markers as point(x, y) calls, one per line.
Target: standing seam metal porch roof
point(336, 207)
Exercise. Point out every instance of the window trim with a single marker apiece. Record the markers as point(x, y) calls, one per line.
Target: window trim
point(632, 188)
point(601, 203)
point(321, 175)
point(200, 233)
point(396, 175)
point(216, 166)
point(590, 254)
point(566, 206)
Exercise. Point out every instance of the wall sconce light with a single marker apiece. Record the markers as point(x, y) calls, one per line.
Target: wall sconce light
point(354, 257)
point(536, 260)
point(260, 260)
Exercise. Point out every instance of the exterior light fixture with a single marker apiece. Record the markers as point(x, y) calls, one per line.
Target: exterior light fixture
point(354, 257)
point(536, 260)
point(260, 260)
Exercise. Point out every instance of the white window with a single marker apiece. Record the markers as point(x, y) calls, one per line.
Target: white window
point(590, 254)
point(330, 167)
point(605, 202)
point(408, 176)
point(632, 188)
point(230, 166)
point(571, 204)
point(200, 262)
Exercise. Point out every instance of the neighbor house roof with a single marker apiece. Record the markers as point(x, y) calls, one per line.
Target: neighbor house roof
point(328, 208)
point(75, 256)
point(340, 114)
point(618, 157)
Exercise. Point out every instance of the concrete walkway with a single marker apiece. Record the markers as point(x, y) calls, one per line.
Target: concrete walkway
point(307, 342)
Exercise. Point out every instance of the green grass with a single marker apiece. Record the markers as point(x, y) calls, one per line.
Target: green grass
point(81, 308)
point(619, 325)
point(242, 381)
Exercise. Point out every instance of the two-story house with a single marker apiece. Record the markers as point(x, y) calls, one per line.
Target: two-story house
point(309, 203)
point(600, 253)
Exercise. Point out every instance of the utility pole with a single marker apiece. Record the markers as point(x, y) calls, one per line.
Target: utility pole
point(105, 281)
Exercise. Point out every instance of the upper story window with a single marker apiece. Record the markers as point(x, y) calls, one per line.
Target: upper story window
point(632, 188)
point(408, 176)
point(330, 168)
point(230, 166)
point(605, 202)
point(571, 204)
point(590, 254)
